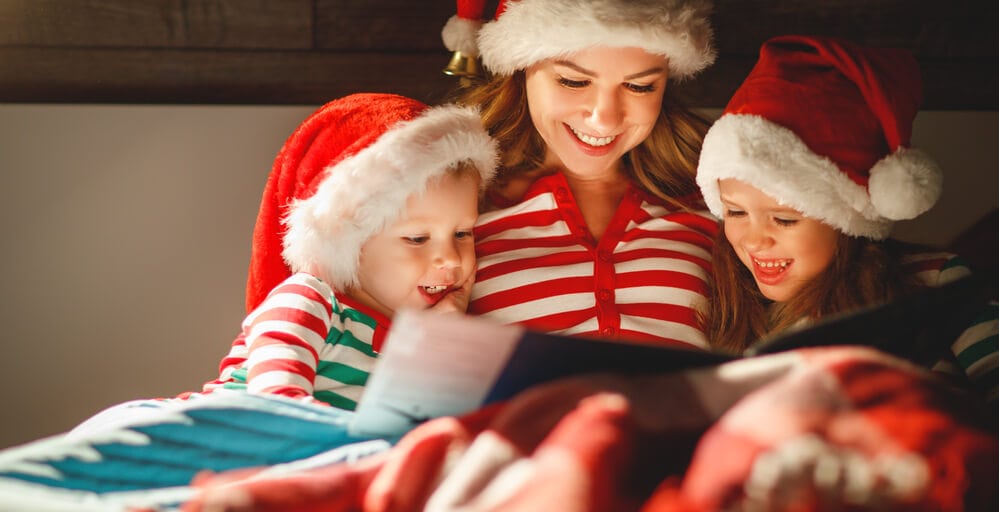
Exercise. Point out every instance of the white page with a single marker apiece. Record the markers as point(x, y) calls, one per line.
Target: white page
point(432, 365)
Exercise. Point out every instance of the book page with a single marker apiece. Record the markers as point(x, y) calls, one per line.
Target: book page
point(432, 365)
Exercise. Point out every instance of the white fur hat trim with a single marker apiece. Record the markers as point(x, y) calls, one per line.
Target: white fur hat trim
point(773, 159)
point(364, 193)
point(529, 31)
point(905, 184)
point(460, 35)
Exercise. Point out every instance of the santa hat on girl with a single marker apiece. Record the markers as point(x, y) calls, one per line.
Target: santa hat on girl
point(527, 31)
point(346, 173)
point(824, 126)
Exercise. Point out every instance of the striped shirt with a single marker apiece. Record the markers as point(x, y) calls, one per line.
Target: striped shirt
point(539, 266)
point(976, 350)
point(305, 341)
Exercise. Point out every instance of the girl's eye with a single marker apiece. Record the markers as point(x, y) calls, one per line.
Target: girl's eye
point(572, 84)
point(461, 235)
point(416, 240)
point(641, 89)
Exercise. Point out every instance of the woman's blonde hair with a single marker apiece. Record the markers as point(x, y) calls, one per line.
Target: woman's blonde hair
point(664, 164)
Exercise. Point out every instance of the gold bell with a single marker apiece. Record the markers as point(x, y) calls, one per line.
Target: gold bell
point(461, 65)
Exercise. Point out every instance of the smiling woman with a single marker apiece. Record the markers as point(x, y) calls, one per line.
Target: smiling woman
point(593, 226)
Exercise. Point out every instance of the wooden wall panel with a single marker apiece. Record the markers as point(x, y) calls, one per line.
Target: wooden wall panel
point(216, 24)
point(386, 25)
point(197, 77)
point(308, 51)
point(957, 29)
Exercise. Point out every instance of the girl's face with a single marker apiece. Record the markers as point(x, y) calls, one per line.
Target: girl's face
point(595, 105)
point(780, 246)
point(426, 258)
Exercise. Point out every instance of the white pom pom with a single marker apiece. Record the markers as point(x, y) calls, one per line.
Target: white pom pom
point(461, 35)
point(905, 184)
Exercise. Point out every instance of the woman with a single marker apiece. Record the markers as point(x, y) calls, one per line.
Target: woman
point(593, 227)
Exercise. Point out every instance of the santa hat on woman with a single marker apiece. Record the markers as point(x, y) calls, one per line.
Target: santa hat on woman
point(346, 173)
point(824, 126)
point(527, 31)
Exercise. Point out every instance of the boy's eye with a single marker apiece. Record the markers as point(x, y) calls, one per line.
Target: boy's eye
point(461, 235)
point(572, 84)
point(641, 89)
point(416, 240)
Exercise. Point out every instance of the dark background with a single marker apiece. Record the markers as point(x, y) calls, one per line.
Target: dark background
point(306, 52)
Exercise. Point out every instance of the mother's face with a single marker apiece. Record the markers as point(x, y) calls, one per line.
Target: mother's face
point(595, 105)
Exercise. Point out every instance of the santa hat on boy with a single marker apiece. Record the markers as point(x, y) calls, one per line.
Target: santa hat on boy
point(824, 126)
point(527, 31)
point(345, 173)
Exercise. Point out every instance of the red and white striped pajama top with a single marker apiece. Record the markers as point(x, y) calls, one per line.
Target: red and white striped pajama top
point(303, 340)
point(539, 266)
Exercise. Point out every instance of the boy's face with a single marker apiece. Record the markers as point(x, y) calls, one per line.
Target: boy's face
point(426, 258)
point(780, 246)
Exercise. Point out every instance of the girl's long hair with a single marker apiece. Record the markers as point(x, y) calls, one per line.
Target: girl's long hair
point(863, 272)
point(664, 164)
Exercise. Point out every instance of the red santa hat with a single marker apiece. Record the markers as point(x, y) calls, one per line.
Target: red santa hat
point(528, 31)
point(824, 126)
point(346, 172)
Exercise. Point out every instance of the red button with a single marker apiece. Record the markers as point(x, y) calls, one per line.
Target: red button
point(604, 295)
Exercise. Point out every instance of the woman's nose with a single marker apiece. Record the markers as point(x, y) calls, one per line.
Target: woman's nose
point(606, 112)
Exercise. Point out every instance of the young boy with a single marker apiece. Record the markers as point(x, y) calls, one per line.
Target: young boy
point(386, 194)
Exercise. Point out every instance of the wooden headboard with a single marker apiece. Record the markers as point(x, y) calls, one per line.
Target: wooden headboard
point(308, 51)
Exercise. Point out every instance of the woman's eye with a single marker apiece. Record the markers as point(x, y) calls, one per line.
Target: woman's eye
point(642, 89)
point(416, 240)
point(573, 84)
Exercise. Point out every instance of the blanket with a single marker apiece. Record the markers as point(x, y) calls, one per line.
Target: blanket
point(835, 428)
point(147, 458)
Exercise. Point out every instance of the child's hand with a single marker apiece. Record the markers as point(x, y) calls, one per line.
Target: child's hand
point(456, 300)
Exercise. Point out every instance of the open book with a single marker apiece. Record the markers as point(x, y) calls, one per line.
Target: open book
point(444, 365)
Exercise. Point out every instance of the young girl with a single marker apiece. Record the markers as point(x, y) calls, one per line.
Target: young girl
point(593, 226)
point(382, 220)
point(809, 166)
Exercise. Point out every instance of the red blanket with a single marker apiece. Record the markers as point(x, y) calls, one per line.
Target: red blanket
point(816, 429)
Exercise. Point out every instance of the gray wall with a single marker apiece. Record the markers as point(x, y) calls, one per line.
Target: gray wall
point(126, 238)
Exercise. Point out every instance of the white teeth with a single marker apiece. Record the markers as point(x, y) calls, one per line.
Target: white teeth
point(772, 264)
point(435, 289)
point(593, 141)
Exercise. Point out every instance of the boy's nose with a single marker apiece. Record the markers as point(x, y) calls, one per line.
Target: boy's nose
point(447, 256)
